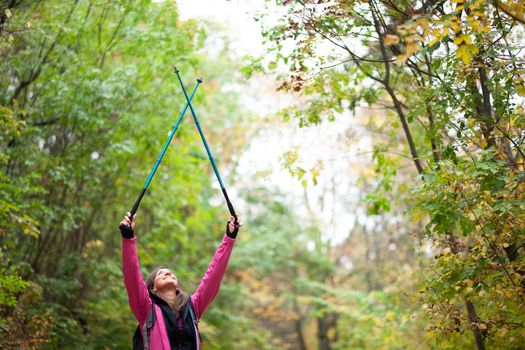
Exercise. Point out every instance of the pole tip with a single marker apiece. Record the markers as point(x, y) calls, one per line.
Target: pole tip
point(199, 80)
point(175, 69)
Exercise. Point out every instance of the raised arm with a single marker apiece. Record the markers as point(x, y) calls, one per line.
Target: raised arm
point(138, 296)
point(211, 282)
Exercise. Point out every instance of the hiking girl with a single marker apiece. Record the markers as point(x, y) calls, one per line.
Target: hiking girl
point(168, 316)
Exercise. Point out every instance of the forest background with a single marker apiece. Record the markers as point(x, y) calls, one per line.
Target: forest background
point(374, 150)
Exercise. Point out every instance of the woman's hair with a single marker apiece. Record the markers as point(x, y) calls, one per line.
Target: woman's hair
point(180, 301)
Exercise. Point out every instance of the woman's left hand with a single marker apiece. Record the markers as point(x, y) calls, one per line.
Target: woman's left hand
point(234, 225)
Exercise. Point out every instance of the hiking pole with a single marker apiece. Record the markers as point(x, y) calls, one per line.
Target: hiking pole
point(159, 159)
point(210, 156)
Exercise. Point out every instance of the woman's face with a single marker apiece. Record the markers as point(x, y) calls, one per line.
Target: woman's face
point(165, 279)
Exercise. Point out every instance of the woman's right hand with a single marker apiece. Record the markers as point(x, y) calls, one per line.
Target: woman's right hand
point(128, 221)
point(232, 227)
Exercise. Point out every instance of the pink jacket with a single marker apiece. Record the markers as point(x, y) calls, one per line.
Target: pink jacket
point(139, 299)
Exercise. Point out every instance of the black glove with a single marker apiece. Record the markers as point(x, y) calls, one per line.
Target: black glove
point(126, 231)
point(233, 234)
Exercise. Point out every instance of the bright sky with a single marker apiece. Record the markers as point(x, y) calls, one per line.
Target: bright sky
point(244, 31)
point(336, 144)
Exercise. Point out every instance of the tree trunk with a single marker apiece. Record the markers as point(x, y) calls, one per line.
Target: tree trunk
point(323, 325)
point(298, 325)
point(478, 335)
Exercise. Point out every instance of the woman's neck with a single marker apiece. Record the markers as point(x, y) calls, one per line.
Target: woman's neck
point(169, 296)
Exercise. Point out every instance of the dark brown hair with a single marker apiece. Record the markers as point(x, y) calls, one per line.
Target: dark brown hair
point(180, 301)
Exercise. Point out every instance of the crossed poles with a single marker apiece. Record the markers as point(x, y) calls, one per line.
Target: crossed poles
point(166, 145)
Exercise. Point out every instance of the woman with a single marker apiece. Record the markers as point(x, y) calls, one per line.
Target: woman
point(167, 315)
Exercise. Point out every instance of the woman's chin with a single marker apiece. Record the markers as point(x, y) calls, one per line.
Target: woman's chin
point(169, 286)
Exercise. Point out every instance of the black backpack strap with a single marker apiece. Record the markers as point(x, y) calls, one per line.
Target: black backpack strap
point(138, 343)
point(148, 325)
point(192, 312)
point(194, 319)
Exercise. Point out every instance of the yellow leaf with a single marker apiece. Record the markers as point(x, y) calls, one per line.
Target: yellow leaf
point(474, 23)
point(465, 52)
point(521, 90)
point(483, 144)
point(423, 23)
point(485, 29)
point(476, 4)
point(468, 290)
point(436, 32)
point(401, 58)
point(412, 46)
point(8, 13)
point(433, 41)
point(456, 28)
point(391, 40)
point(463, 38)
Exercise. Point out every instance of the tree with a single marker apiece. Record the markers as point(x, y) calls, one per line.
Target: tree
point(451, 74)
point(87, 101)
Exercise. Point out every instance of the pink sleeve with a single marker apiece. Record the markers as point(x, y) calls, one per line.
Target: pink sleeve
point(209, 286)
point(138, 295)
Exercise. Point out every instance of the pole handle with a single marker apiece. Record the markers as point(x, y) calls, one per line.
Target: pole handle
point(125, 229)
